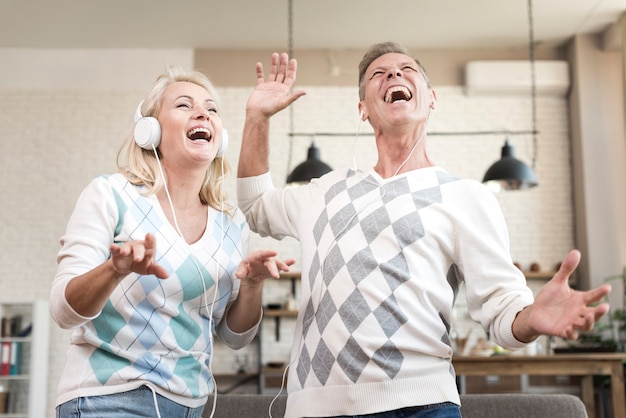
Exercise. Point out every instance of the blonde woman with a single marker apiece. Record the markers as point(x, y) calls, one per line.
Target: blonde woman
point(153, 263)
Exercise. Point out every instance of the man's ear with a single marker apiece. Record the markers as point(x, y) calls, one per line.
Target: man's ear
point(362, 112)
point(433, 104)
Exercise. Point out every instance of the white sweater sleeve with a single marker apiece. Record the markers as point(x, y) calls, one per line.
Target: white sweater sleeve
point(236, 340)
point(84, 246)
point(496, 290)
point(265, 207)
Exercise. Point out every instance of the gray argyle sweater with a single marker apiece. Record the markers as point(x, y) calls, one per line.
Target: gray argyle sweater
point(382, 262)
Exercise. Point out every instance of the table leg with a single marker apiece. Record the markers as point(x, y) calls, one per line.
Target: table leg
point(617, 390)
point(587, 395)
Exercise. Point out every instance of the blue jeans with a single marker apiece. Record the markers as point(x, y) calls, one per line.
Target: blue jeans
point(132, 404)
point(439, 410)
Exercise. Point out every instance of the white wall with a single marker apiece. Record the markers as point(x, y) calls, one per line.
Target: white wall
point(55, 137)
point(599, 154)
point(92, 69)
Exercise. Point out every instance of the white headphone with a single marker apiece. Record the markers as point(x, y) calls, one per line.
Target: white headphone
point(147, 132)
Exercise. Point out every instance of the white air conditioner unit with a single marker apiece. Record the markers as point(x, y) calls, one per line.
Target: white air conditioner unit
point(514, 77)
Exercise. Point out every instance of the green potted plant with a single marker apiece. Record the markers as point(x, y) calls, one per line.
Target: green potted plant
point(617, 317)
point(608, 335)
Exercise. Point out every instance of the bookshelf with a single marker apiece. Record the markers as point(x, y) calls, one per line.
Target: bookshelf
point(23, 383)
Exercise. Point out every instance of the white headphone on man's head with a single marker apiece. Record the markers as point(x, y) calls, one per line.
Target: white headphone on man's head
point(147, 133)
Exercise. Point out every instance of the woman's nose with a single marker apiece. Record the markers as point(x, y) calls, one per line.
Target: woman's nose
point(202, 113)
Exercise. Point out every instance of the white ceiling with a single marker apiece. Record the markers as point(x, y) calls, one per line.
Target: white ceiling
point(323, 24)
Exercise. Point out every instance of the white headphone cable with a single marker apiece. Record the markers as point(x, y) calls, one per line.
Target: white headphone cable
point(154, 398)
point(408, 157)
point(215, 295)
point(204, 293)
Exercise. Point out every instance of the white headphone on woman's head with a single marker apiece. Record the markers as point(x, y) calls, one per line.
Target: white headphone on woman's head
point(147, 133)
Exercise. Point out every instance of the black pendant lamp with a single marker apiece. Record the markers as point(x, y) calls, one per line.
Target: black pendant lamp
point(509, 173)
point(312, 168)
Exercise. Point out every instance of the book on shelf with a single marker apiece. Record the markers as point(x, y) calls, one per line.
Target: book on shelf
point(5, 330)
point(4, 399)
point(5, 358)
point(16, 354)
point(10, 351)
point(11, 326)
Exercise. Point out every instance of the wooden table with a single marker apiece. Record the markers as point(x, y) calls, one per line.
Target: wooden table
point(586, 365)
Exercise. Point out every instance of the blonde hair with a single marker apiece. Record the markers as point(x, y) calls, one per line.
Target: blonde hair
point(140, 166)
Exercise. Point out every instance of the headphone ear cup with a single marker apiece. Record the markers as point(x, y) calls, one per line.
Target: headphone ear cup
point(223, 144)
point(147, 133)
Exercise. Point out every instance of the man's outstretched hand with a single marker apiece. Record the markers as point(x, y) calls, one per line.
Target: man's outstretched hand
point(559, 310)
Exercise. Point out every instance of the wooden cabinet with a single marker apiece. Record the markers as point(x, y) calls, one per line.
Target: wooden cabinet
point(24, 341)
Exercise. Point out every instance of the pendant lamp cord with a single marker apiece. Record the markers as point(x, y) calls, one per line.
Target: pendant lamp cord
point(533, 86)
point(290, 52)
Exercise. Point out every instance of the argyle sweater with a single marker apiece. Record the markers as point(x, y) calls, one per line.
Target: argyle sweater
point(382, 262)
point(152, 331)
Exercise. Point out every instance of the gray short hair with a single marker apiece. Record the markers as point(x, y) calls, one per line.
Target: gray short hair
point(377, 50)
